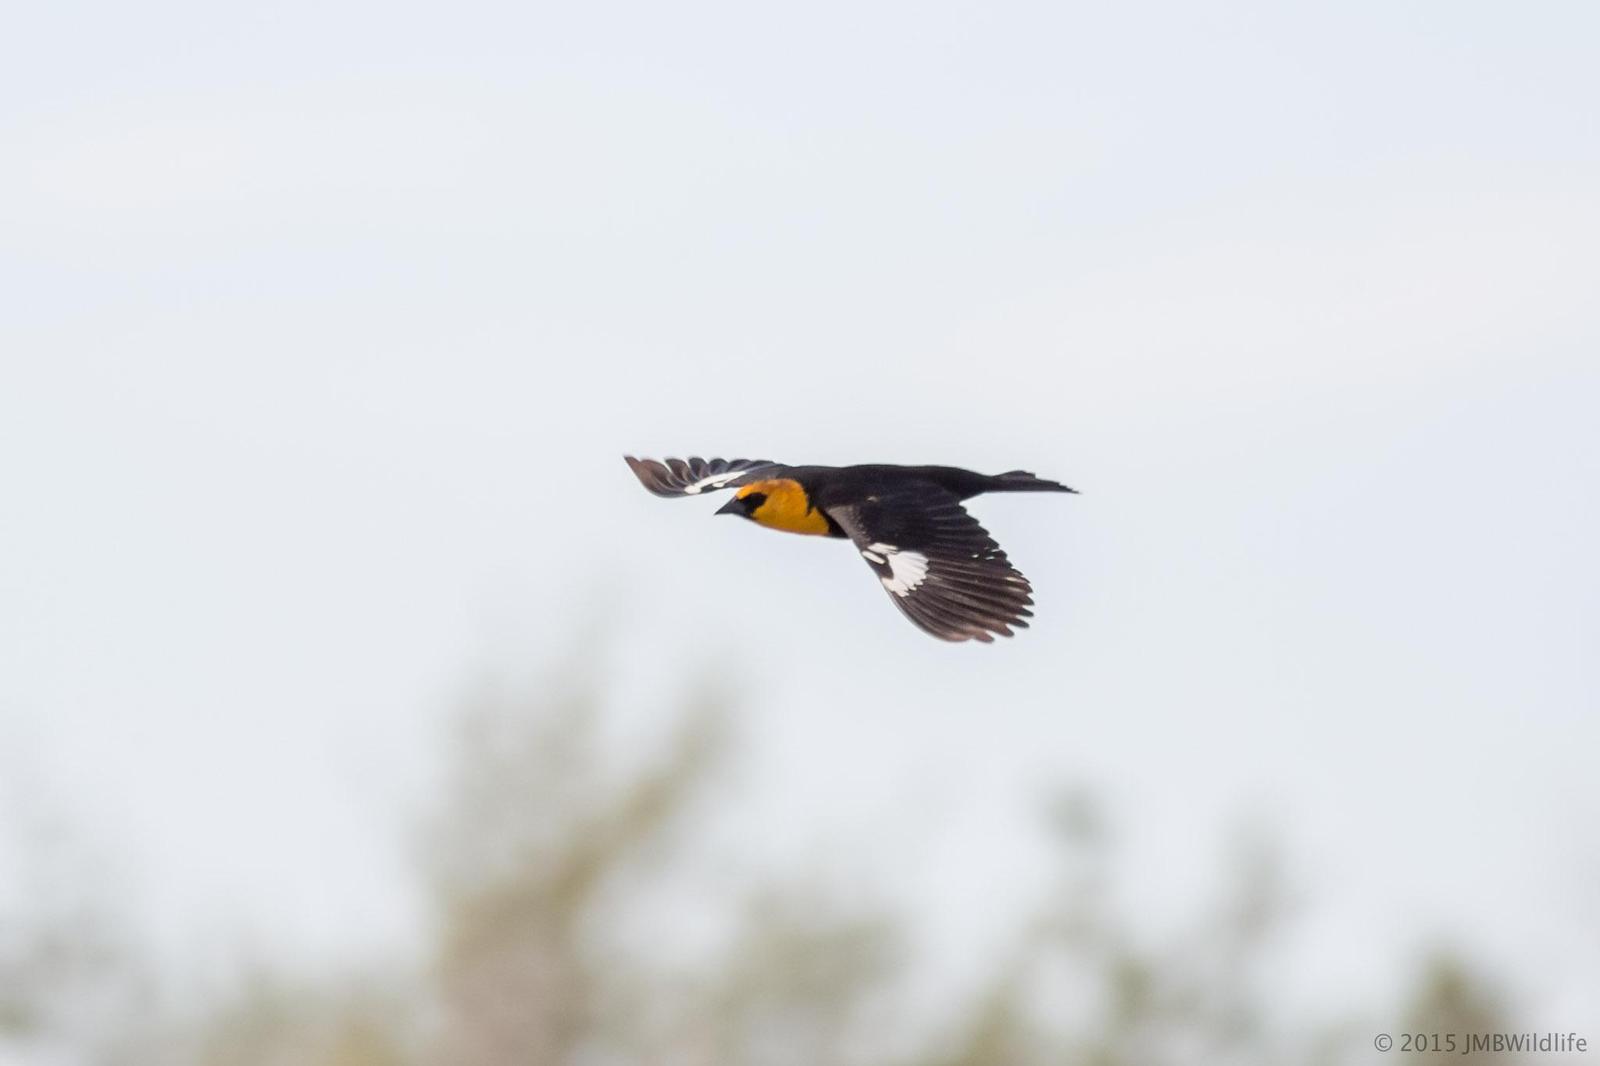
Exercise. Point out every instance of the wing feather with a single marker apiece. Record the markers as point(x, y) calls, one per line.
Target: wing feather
point(693, 476)
point(938, 565)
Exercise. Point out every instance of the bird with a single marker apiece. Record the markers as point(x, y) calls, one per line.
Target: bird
point(939, 566)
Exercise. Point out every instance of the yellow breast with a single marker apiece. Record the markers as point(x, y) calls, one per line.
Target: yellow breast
point(787, 507)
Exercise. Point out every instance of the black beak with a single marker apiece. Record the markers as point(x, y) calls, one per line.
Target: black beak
point(733, 506)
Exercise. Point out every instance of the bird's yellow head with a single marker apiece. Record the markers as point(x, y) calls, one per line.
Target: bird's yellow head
point(778, 503)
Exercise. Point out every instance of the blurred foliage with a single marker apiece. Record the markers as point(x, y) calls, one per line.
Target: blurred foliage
point(1450, 999)
point(539, 863)
point(65, 963)
point(271, 1021)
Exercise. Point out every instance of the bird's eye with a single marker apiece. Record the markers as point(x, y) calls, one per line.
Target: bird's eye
point(754, 500)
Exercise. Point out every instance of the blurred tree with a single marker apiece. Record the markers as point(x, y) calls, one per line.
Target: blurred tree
point(539, 862)
point(1450, 998)
point(532, 836)
point(66, 966)
point(796, 986)
point(271, 1021)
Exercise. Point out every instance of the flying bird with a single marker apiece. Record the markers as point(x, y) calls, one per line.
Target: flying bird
point(939, 566)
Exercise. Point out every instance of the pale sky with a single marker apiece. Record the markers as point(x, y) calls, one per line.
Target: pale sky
point(325, 328)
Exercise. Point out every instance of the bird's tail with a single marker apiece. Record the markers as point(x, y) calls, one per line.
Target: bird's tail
point(1022, 481)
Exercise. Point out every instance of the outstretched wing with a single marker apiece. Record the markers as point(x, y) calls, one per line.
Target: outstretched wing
point(939, 566)
point(692, 476)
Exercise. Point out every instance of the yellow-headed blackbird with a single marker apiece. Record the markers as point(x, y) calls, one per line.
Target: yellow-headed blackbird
point(940, 567)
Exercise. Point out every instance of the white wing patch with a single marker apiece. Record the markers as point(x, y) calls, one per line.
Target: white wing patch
point(907, 570)
point(713, 482)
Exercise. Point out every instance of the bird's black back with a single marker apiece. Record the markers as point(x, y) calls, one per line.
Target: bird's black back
point(844, 484)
